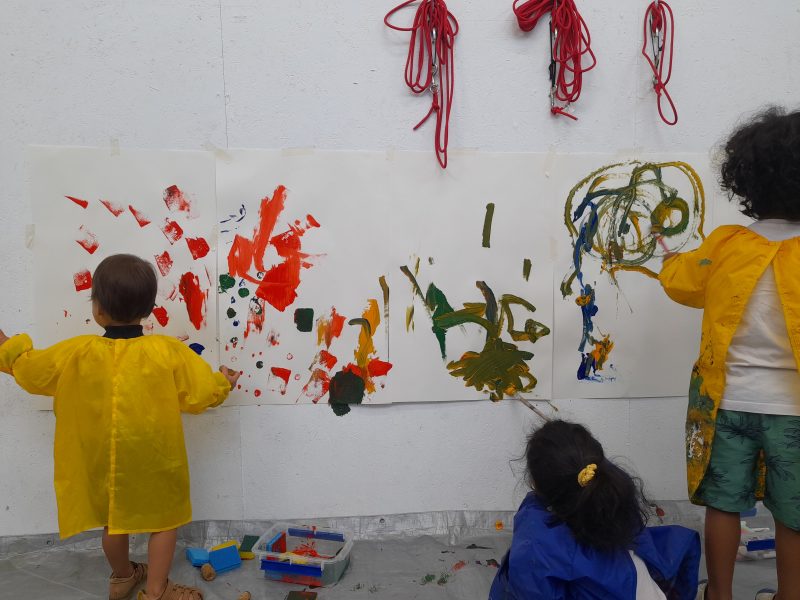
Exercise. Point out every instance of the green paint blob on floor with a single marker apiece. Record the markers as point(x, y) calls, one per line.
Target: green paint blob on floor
point(231, 313)
point(304, 319)
point(244, 292)
point(428, 579)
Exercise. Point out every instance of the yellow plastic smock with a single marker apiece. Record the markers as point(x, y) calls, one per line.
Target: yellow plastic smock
point(719, 277)
point(120, 457)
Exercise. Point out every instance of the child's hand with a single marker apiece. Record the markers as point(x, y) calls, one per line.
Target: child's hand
point(3, 337)
point(231, 375)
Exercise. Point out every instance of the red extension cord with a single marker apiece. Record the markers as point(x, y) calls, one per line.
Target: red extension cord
point(569, 42)
point(430, 63)
point(659, 30)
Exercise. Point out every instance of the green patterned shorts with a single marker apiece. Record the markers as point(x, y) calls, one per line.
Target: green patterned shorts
point(730, 480)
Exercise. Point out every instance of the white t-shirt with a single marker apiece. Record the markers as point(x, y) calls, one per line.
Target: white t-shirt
point(762, 375)
point(646, 588)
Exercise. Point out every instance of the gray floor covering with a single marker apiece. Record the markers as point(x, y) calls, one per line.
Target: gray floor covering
point(398, 567)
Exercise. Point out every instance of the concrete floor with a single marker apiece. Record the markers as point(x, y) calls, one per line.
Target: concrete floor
point(399, 567)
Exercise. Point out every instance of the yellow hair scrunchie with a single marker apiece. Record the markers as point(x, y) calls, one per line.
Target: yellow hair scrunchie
point(586, 474)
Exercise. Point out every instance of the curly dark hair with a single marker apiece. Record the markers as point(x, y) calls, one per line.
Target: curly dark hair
point(610, 511)
point(762, 165)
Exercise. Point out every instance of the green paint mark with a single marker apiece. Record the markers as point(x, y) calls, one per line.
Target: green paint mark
point(704, 262)
point(526, 268)
point(428, 579)
point(231, 313)
point(443, 579)
point(304, 319)
point(487, 224)
point(244, 292)
point(226, 282)
point(346, 388)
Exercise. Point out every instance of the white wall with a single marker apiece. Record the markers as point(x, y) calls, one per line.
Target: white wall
point(254, 73)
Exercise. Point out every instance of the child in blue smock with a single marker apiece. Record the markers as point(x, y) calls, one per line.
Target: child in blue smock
point(581, 532)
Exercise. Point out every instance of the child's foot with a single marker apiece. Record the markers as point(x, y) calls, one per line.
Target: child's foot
point(174, 591)
point(120, 588)
point(765, 594)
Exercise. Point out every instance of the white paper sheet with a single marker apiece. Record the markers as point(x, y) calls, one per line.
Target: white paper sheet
point(438, 234)
point(107, 188)
point(655, 341)
point(336, 210)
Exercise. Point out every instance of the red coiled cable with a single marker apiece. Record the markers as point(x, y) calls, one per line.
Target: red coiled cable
point(569, 42)
point(430, 63)
point(658, 22)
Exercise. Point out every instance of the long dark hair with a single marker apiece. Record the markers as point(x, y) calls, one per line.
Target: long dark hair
point(609, 511)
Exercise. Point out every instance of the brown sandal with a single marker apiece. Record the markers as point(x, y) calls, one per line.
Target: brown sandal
point(175, 591)
point(120, 588)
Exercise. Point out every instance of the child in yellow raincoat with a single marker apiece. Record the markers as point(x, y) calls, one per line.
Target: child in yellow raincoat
point(743, 421)
point(120, 458)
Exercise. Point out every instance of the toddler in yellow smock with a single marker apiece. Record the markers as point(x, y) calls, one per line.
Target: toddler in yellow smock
point(120, 456)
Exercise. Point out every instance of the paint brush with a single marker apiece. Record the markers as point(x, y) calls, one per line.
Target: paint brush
point(533, 408)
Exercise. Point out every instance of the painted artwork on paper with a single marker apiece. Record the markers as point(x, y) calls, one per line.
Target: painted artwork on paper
point(298, 317)
point(622, 219)
point(90, 203)
point(500, 367)
point(478, 313)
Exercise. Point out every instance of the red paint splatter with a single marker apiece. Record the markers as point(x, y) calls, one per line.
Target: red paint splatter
point(175, 199)
point(114, 209)
point(164, 263)
point(173, 293)
point(255, 316)
point(329, 328)
point(377, 367)
point(82, 281)
point(141, 219)
point(279, 284)
point(318, 385)
point(283, 374)
point(256, 393)
point(327, 359)
point(297, 377)
point(198, 247)
point(89, 240)
point(354, 369)
point(312, 222)
point(161, 315)
point(172, 231)
point(66, 313)
point(273, 338)
point(194, 297)
point(459, 565)
point(78, 201)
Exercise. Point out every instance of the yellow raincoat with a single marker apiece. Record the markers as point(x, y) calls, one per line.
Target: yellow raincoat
point(120, 458)
point(719, 277)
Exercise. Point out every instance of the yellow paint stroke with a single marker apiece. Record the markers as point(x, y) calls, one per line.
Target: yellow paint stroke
point(410, 318)
point(365, 351)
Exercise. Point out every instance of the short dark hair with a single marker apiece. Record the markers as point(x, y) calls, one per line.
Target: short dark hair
point(125, 287)
point(761, 165)
point(609, 511)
